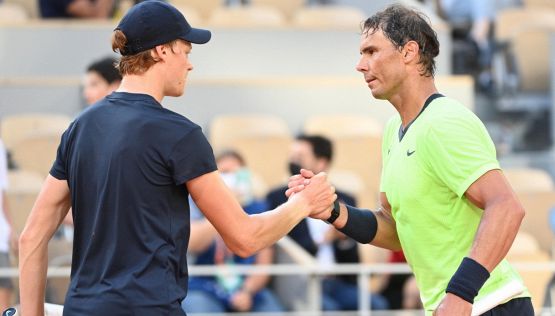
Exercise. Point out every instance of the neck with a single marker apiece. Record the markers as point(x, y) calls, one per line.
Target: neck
point(146, 83)
point(410, 100)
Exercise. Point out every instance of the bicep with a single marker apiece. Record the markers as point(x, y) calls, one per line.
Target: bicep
point(50, 208)
point(490, 187)
point(216, 202)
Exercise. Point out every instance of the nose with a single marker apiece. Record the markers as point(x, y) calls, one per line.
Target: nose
point(362, 65)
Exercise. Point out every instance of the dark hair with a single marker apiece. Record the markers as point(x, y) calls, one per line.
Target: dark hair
point(106, 68)
point(232, 154)
point(401, 25)
point(321, 146)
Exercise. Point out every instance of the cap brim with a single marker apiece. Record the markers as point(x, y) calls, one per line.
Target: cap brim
point(197, 36)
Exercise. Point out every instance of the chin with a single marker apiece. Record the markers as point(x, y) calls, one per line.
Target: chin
point(378, 95)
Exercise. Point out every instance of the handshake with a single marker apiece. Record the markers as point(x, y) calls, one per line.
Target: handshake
point(313, 190)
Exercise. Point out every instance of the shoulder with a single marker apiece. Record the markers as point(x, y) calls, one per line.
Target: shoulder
point(448, 117)
point(446, 110)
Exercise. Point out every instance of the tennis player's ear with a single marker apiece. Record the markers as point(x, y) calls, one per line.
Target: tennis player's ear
point(159, 52)
point(411, 51)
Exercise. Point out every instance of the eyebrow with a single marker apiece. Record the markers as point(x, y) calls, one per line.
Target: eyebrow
point(367, 49)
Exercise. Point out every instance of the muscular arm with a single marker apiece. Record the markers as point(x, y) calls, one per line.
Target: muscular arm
point(500, 221)
point(88, 9)
point(48, 212)
point(245, 234)
point(498, 227)
point(386, 235)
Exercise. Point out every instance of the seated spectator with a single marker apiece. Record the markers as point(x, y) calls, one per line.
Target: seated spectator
point(101, 79)
point(472, 25)
point(340, 292)
point(228, 292)
point(401, 290)
point(91, 9)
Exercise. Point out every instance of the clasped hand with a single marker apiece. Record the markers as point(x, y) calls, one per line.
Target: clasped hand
point(316, 189)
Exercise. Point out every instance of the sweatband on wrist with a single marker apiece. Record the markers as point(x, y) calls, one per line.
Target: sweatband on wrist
point(468, 280)
point(361, 225)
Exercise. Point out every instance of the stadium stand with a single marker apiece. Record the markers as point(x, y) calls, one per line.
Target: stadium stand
point(246, 17)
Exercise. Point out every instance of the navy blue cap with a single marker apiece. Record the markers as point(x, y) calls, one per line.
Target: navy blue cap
point(152, 23)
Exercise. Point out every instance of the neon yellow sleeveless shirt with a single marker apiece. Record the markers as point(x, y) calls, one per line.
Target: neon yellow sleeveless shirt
point(424, 177)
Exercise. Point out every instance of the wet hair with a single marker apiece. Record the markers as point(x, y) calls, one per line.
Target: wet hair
point(321, 146)
point(106, 68)
point(401, 25)
point(136, 64)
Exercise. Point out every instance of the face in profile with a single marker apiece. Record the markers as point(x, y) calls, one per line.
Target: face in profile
point(95, 87)
point(177, 68)
point(381, 63)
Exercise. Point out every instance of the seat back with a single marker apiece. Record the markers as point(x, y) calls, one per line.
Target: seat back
point(12, 12)
point(533, 65)
point(524, 251)
point(246, 17)
point(204, 7)
point(23, 189)
point(14, 128)
point(287, 8)
point(529, 179)
point(329, 17)
point(37, 152)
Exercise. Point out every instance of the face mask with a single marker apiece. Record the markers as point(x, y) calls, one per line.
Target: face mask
point(241, 184)
point(294, 168)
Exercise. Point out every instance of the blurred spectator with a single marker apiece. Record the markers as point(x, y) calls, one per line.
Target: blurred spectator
point(101, 79)
point(472, 30)
point(91, 9)
point(228, 292)
point(8, 237)
point(401, 290)
point(317, 237)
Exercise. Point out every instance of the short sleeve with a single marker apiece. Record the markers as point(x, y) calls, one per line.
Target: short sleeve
point(59, 168)
point(458, 151)
point(191, 157)
point(3, 167)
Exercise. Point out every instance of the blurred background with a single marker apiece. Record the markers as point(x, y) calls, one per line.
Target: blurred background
point(274, 70)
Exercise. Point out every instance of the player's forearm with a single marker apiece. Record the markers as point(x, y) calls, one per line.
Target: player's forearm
point(497, 230)
point(386, 231)
point(265, 229)
point(32, 274)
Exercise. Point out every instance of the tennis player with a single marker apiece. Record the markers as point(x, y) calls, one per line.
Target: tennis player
point(444, 200)
point(126, 167)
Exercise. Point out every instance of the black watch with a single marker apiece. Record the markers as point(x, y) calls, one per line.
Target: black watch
point(334, 213)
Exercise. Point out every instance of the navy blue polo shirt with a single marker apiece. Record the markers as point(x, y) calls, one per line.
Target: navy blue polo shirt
point(126, 160)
